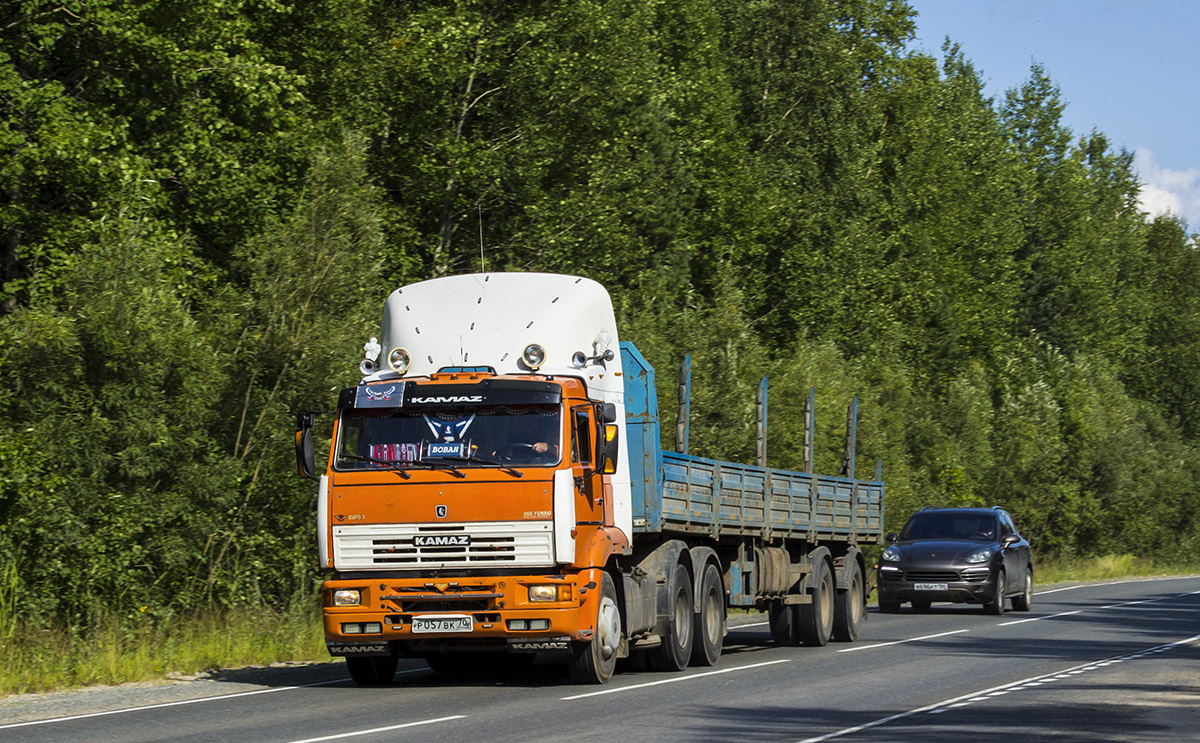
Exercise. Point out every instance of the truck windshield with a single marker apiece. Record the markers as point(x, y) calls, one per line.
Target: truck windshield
point(459, 436)
point(977, 527)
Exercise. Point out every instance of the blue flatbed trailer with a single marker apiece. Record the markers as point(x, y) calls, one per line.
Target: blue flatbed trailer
point(738, 508)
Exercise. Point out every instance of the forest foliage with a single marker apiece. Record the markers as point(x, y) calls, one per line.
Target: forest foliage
point(203, 205)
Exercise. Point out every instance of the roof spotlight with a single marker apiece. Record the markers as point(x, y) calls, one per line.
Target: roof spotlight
point(534, 356)
point(399, 360)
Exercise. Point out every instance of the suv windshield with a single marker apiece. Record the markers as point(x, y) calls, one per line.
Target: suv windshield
point(980, 527)
point(462, 436)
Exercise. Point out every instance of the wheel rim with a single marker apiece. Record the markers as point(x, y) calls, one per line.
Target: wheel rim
point(683, 624)
point(712, 617)
point(608, 626)
point(826, 602)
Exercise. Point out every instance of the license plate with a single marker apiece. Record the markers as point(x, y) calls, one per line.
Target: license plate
point(930, 586)
point(443, 623)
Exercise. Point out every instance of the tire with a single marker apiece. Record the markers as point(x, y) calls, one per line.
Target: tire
point(1024, 602)
point(850, 607)
point(594, 662)
point(372, 671)
point(920, 606)
point(676, 648)
point(784, 620)
point(995, 605)
point(816, 619)
point(709, 623)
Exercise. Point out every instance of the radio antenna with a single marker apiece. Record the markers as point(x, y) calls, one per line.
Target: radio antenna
point(482, 264)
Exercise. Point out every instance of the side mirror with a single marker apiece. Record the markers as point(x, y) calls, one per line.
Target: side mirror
point(609, 413)
point(1010, 539)
point(305, 462)
point(891, 537)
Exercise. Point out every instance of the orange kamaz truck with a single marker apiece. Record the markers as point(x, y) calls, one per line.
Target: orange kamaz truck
point(496, 489)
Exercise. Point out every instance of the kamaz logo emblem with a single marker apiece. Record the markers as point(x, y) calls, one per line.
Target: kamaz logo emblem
point(446, 398)
point(538, 645)
point(440, 511)
point(442, 540)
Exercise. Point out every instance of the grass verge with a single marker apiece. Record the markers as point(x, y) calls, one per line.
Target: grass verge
point(118, 650)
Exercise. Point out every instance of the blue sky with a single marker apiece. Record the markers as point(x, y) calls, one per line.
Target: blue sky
point(1128, 68)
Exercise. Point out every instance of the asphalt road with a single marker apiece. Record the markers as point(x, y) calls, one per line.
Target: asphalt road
point(1111, 661)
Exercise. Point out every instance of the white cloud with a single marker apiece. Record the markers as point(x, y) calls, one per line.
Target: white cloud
point(1166, 190)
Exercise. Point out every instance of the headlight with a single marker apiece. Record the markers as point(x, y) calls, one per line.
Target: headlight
point(982, 555)
point(534, 356)
point(543, 593)
point(891, 554)
point(347, 597)
point(399, 360)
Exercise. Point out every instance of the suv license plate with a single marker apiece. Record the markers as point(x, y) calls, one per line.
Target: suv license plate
point(929, 586)
point(443, 623)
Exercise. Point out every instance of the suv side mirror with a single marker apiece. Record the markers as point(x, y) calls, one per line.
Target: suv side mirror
point(1010, 539)
point(891, 537)
point(305, 462)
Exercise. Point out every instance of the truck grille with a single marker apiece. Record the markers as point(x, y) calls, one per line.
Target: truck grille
point(490, 544)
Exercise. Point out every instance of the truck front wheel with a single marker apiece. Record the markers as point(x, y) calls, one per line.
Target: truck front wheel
point(595, 661)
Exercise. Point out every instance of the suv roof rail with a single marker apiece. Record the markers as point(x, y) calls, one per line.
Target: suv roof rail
point(927, 508)
point(997, 508)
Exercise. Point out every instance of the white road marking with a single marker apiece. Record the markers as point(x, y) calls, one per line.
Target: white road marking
point(1034, 619)
point(939, 707)
point(183, 701)
point(901, 642)
point(356, 733)
point(675, 679)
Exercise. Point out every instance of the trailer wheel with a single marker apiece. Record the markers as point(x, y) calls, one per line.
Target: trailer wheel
point(595, 661)
point(676, 648)
point(850, 607)
point(816, 619)
point(372, 671)
point(709, 626)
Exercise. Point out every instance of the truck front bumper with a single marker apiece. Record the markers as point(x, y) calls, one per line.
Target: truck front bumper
point(419, 616)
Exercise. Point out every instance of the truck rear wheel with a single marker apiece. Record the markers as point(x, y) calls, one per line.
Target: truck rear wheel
point(676, 648)
point(784, 620)
point(816, 619)
point(595, 661)
point(709, 626)
point(372, 671)
point(850, 607)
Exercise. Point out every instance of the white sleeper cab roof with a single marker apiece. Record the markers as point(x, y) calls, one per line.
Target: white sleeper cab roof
point(490, 319)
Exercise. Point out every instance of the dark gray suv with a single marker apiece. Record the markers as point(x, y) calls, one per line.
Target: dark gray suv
point(964, 555)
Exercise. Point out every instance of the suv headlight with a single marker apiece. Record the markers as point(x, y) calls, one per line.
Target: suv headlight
point(982, 555)
point(891, 554)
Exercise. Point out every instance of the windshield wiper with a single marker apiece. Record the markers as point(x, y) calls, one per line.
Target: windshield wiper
point(393, 465)
point(440, 464)
point(488, 462)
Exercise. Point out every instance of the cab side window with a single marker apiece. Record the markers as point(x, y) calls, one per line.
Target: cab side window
point(581, 450)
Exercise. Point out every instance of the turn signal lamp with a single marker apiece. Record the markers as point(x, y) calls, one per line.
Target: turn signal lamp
point(534, 356)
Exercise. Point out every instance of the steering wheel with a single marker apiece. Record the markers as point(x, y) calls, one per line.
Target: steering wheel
point(515, 451)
